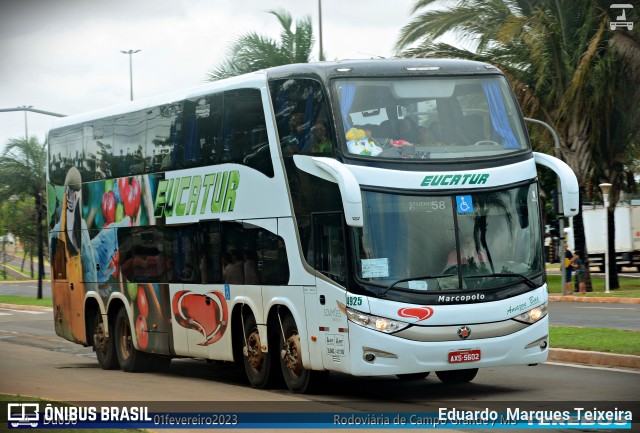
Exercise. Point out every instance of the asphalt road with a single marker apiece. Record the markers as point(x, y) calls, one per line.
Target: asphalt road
point(37, 362)
point(595, 315)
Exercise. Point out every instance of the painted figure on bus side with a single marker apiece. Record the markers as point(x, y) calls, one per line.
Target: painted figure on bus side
point(77, 258)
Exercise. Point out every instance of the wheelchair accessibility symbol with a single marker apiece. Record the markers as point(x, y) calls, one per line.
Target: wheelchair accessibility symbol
point(464, 204)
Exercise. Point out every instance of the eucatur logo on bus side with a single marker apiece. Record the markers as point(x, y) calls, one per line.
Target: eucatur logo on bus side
point(455, 179)
point(209, 193)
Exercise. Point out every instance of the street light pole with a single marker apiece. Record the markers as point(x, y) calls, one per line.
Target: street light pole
point(321, 56)
point(26, 130)
point(130, 53)
point(606, 187)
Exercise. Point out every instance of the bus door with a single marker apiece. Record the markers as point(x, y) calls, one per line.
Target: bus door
point(329, 258)
point(67, 290)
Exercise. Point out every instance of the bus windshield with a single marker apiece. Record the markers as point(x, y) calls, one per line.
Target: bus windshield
point(429, 118)
point(449, 242)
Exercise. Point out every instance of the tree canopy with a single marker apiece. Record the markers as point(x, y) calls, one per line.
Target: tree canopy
point(22, 176)
point(567, 66)
point(252, 51)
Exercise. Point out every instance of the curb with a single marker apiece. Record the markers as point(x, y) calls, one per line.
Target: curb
point(607, 300)
point(594, 358)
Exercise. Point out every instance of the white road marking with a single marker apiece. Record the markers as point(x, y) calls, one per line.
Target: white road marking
point(25, 311)
point(594, 367)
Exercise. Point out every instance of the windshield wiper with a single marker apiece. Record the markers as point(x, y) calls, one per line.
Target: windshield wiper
point(526, 280)
point(402, 280)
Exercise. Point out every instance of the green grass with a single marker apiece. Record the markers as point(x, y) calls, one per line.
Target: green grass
point(7, 398)
point(595, 339)
point(629, 288)
point(25, 300)
point(17, 269)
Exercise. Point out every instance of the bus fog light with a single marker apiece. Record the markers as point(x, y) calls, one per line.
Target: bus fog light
point(540, 342)
point(369, 357)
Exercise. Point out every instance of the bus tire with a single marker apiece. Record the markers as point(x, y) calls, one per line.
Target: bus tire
point(413, 376)
point(298, 379)
point(103, 345)
point(258, 364)
point(130, 359)
point(457, 376)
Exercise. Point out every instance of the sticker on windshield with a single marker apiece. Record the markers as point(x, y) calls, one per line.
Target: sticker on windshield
point(464, 204)
point(375, 268)
point(418, 285)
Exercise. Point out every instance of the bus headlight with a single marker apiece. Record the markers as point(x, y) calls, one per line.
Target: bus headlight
point(533, 315)
point(381, 324)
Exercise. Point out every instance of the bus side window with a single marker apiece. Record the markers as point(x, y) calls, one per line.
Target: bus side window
point(211, 132)
point(186, 254)
point(232, 261)
point(245, 140)
point(128, 143)
point(272, 258)
point(160, 136)
point(210, 259)
point(65, 149)
point(328, 244)
point(301, 117)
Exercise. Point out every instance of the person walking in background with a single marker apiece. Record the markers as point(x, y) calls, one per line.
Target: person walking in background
point(568, 268)
point(578, 266)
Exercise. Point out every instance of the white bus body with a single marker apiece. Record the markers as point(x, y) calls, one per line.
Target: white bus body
point(253, 220)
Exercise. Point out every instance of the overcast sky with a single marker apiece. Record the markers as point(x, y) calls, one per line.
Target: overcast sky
point(64, 56)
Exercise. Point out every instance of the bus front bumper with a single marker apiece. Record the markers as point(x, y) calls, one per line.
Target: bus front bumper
point(376, 354)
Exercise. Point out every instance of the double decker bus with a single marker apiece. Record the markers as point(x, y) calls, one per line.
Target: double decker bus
point(374, 217)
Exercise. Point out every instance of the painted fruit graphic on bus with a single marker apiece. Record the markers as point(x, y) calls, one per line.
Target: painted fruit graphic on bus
point(131, 197)
point(109, 207)
point(206, 313)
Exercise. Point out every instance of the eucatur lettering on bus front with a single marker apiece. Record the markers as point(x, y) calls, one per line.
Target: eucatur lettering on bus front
point(189, 195)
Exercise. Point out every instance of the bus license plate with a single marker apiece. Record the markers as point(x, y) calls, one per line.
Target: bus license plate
point(457, 356)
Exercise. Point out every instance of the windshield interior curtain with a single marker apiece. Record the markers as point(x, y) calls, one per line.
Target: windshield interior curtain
point(498, 113)
point(347, 95)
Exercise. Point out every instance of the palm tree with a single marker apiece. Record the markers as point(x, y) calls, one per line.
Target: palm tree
point(560, 59)
point(252, 52)
point(22, 173)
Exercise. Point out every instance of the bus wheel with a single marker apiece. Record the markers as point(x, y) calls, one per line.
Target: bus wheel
point(297, 378)
point(130, 359)
point(457, 376)
point(103, 346)
point(413, 376)
point(257, 364)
